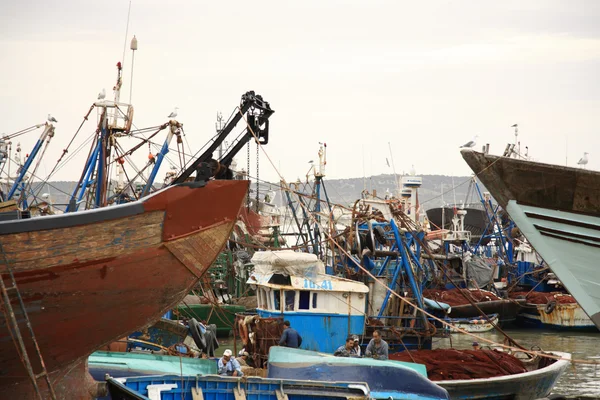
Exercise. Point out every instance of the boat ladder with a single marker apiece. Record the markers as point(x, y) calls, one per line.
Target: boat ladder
point(13, 327)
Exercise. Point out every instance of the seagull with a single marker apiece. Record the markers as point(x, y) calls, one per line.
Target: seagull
point(174, 113)
point(583, 160)
point(51, 118)
point(470, 143)
point(102, 94)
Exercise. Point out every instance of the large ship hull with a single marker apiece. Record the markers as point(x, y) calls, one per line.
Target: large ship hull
point(92, 277)
point(558, 210)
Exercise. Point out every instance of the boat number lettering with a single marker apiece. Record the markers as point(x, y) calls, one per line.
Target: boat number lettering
point(308, 284)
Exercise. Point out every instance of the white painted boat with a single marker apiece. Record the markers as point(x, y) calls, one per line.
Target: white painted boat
point(475, 324)
point(534, 384)
point(558, 210)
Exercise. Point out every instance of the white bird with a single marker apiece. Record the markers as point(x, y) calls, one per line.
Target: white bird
point(174, 113)
point(470, 143)
point(583, 160)
point(51, 118)
point(102, 94)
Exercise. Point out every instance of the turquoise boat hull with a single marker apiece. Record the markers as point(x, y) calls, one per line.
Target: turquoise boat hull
point(119, 365)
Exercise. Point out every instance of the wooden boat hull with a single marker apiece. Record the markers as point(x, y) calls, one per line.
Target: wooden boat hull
point(474, 325)
point(526, 386)
point(120, 365)
point(223, 315)
point(387, 379)
point(506, 309)
point(92, 277)
point(558, 210)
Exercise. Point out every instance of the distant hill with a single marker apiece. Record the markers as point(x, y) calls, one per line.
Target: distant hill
point(344, 191)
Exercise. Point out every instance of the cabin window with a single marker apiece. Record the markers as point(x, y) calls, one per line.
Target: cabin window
point(304, 301)
point(277, 300)
point(290, 300)
point(314, 300)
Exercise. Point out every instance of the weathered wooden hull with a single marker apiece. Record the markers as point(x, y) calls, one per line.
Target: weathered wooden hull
point(93, 277)
point(558, 210)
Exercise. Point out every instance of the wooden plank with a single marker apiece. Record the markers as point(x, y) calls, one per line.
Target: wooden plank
point(198, 251)
point(43, 249)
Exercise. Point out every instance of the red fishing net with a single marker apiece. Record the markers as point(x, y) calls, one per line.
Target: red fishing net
point(544, 298)
point(454, 297)
point(444, 364)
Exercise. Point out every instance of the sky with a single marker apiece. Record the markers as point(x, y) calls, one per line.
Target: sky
point(369, 78)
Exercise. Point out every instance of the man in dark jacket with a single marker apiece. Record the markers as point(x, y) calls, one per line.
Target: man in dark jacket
point(290, 337)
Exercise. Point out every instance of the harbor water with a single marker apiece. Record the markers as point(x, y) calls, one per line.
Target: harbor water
point(578, 380)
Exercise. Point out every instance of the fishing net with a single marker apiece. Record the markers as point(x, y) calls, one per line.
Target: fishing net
point(544, 298)
point(454, 297)
point(445, 364)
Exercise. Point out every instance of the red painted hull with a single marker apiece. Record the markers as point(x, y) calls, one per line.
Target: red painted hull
point(87, 285)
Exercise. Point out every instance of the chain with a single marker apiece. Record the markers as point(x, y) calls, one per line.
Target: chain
point(257, 169)
point(248, 176)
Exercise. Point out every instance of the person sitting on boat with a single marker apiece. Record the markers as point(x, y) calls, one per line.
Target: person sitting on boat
point(290, 336)
point(243, 358)
point(377, 347)
point(346, 350)
point(229, 366)
point(356, 346)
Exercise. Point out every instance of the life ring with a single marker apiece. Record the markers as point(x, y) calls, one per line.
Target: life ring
point(550, 307)
point(197, 334)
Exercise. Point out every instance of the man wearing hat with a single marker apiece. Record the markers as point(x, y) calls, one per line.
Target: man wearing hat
point(243, 358)
point(356, 346)
point(229, 366)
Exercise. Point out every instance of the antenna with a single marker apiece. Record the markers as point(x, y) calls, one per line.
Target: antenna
point(133, 48)
point(126, 33)
point(394, 168)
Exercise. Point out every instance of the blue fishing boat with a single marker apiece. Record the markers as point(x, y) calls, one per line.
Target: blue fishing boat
point(325, 309)
point(387, 379)
point(214, 387)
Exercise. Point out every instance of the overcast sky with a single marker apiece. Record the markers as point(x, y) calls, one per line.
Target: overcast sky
point(424, 76)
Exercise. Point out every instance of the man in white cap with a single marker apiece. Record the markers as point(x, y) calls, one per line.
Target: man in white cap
point(243, 358)
point(228, 365)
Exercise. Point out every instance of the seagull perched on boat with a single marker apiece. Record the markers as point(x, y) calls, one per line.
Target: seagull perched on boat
point(102, 94)
point(174, 113)
point(583, 160)
point(51, 118)
point(471, 143)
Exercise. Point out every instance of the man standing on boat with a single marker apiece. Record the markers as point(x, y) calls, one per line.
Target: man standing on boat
point(357, 346)
point(229, 366)
point(377, 347)
point(347, 350)
point(290, 336)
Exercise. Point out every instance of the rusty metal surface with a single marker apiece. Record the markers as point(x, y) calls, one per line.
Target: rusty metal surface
point(77, 306)
point(542, 185)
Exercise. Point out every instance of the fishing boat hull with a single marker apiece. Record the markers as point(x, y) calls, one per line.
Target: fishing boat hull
point(386, 379)
point(563, 317)
point(222, 315)
point(231, 388)
point(474, 325)
point(507, 310)
point(529, 385)
point(558, 210)
point(130, 364)
point(128, 264)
